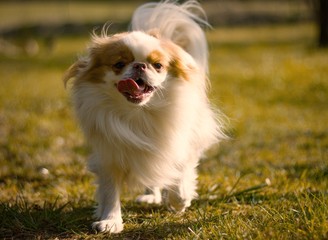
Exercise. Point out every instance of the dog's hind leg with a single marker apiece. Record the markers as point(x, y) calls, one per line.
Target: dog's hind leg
point(151, 196)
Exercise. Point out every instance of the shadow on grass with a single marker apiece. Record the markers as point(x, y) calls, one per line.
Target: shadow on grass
point(21, 220)
point(144, 221)
point(162, 231)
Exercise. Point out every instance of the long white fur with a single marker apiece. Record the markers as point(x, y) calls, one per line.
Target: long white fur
point(157, 144)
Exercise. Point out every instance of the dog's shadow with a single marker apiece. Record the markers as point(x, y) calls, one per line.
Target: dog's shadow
point(142, 221)
point(151, 221)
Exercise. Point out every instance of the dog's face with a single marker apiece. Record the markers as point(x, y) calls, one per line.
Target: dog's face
point(135, 65)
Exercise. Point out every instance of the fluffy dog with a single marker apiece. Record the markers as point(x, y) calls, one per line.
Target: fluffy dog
point(141, 100)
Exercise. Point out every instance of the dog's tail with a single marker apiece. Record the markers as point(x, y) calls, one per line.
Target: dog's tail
point(182, 24)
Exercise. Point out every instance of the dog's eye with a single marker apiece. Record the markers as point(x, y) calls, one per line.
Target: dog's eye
point(158, 66)
point(119, 65)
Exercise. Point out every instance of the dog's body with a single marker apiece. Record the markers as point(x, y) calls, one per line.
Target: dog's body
point(140, 97)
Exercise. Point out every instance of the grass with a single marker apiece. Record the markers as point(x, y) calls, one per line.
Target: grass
point(269, 181)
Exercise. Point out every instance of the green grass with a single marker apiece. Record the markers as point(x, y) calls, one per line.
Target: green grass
point(269, 181)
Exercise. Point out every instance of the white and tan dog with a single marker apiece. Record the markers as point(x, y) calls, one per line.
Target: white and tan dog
point(141, 99)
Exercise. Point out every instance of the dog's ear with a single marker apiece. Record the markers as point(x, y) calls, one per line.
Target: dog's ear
point(74, 70)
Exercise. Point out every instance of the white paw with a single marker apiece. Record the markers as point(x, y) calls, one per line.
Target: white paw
point(174, 202)
point(111, 225)
point(149, 198)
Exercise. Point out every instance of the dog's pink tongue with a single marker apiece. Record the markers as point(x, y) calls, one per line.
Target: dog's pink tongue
point(128, 86)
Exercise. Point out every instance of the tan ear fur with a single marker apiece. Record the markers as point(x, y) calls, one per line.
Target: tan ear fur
point(178, 67)
point(73, 70)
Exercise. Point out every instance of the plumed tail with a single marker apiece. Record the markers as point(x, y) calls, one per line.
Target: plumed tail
point(179, 23)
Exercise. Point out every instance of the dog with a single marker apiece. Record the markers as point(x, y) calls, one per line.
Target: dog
point(141, 99)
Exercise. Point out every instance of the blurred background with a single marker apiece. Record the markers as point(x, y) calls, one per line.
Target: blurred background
point(33, 26)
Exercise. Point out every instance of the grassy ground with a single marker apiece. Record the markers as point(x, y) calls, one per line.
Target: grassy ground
point(269, 181)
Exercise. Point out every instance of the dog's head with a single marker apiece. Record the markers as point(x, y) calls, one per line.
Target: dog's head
point(134, 64)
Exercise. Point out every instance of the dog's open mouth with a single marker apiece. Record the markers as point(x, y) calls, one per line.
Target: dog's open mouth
point(135, 91)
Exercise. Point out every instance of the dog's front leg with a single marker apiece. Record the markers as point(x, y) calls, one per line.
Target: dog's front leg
point(109, 206)
point(178, 197)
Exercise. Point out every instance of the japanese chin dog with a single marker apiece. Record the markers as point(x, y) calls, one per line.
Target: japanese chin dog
point(141, 100)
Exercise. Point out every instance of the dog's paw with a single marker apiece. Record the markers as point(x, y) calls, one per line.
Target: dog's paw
point(174, 202)
point(110, 225)
point(149, 198)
